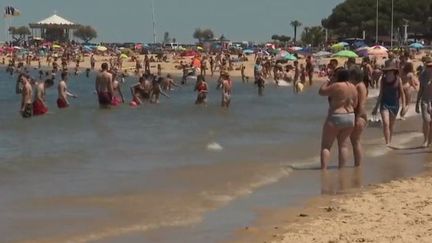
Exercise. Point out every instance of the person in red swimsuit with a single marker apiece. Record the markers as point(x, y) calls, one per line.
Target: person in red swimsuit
point(202, 88)
point(39, 106)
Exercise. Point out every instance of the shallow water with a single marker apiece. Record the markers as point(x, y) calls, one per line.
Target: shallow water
point(85, 174)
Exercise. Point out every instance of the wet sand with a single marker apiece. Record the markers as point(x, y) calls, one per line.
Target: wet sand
point(380, 202)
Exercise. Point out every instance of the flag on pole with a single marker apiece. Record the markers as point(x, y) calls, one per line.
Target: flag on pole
point(10, 11)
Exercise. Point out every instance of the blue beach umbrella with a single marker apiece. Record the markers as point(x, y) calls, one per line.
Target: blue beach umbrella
point(416, 46)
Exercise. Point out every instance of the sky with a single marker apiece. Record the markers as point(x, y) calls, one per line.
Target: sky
point(131, 20)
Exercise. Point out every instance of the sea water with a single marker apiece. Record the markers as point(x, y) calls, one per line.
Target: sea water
point(84, 174)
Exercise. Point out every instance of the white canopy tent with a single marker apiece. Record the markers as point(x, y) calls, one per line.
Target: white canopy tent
point(61, 26)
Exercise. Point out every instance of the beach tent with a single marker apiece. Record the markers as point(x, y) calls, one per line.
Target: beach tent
point(346, 53)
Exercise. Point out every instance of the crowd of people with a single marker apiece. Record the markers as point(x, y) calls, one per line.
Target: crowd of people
point(347, 90)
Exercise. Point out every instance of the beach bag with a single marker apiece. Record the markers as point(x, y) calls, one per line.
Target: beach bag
point(374, 121)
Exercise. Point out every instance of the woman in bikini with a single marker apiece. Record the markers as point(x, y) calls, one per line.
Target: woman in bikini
point(343, 100)
point(391, 92)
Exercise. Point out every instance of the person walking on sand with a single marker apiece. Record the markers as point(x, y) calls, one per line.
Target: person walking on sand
point(424, 101)
point(356, 77)
point(104, 87)
point(63, 92)
point(26, 109)
point(226, 87)
point(391, 93)
point(343, 100)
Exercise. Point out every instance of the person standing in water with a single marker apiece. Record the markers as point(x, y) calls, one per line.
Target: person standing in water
point(343, 100)
point(104, 87)
point(157, 90)
point(309, 69)
point(410, 84)
point(202, 88)
point(391, 93)
point(226, 86)
point(424, 101)
point(39, 105)
point(26, 109)
point(63, 92)
point(260, 82)
point(357, 78)
point(117, 98)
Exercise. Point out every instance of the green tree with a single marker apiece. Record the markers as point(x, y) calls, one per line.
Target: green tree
point(85, 33)
point(352, 17)
point(20, 33)
point(198, 34)
point(295, 24)
point(314, 35)
point(203, 34)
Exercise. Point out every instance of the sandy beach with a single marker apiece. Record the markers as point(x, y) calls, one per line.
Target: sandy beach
point(399, 211)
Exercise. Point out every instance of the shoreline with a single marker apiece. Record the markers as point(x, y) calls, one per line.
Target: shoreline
point(375, 212)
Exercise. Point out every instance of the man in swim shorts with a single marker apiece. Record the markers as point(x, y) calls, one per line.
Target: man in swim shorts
point(424, 101)
point(26, 98)
point(104, 87)
point(63, 92)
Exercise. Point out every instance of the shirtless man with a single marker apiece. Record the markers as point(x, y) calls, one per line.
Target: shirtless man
point(168, 83)
point(424, 101)
point(104, 87)
point(39, 105)
point(63, 92)
point(226, 86)
point(157, 90)
point(343, 100)
point(26, 98)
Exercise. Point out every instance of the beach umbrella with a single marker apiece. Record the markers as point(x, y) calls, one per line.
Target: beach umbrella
point(248, 51)
point(362, 48)
point(379, 47)
point(377, 52)
point(101, 48)
point(322, 54)
point(282, 55)
point(290, 57)
point(345, 53)
point(124, 56)
point(416, 46)
point(87, 48)
point(295, 48)
point(17, 48)
point(55, 46)
point(337, 47)
point(199, 48)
